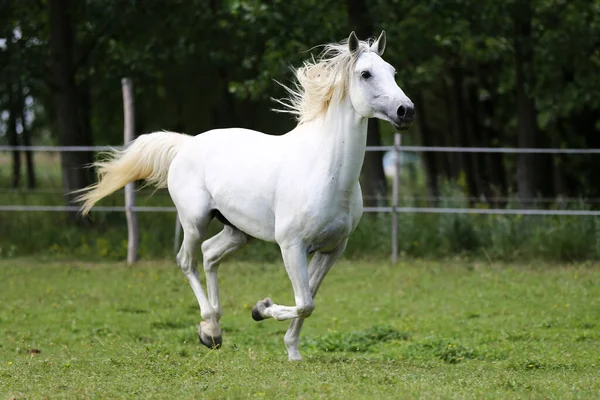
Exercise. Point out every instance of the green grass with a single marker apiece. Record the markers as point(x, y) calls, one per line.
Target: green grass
point(418, 330)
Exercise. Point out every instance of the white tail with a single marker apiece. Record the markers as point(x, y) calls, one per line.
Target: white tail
point(148, 157)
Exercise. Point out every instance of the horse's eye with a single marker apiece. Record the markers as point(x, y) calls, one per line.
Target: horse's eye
point(365, 74)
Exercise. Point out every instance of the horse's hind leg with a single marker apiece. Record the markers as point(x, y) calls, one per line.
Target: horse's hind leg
point(194, 228)
point(213, 250)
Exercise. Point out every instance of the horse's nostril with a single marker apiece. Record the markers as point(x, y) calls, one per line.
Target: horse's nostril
point(410, 112)
point(401, 112)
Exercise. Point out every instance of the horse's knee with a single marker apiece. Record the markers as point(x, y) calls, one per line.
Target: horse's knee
point(304, 310)
point(186, 263)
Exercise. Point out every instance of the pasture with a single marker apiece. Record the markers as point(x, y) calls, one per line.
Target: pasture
point(419, 330)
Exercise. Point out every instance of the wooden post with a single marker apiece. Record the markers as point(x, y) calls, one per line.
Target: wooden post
point(395, 190)
point(132, 224)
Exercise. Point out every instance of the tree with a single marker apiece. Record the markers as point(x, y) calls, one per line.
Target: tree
point(527, 129)
point(69, 100)
point(10, 77)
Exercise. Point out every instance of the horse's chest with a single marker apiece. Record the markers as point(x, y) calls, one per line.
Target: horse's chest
point(322, 219)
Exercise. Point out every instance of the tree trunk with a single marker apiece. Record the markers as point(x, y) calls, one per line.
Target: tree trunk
point(495, 170)
point(458, 116)
point(13, 138)
point(490, 135)
point(12, 98)
point(477, 171)
point(453, 163)
point(70, 116)
point(84, 97)
point(429, 158)
point(373, 179)
point(527, 130)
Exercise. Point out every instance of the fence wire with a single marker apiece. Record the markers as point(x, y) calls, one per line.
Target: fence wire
point(410, 149)
point(428, 210)
point(403, 198)
point(399, 148)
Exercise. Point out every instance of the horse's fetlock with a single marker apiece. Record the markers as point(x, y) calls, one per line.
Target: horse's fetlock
point(210, 316)
point(290, 340)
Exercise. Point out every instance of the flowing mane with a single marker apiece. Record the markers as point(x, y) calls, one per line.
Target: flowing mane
point(317, 79)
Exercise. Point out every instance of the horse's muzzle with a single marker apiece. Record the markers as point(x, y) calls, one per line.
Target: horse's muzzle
point(405, 115)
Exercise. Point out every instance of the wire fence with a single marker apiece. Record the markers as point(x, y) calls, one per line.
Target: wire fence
point(425, 210)
point(407, 149)
point(403, 197)
point(394, 209)
point(398, 149)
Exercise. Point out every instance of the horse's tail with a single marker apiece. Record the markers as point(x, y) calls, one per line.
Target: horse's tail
point(148, 157)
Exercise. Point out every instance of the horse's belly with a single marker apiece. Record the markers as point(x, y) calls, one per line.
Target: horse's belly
point(247, 212)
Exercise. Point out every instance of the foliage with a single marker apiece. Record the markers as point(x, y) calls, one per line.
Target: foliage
point(445, 350)
point(176, 52)
point(357, 342)
point(463, 330)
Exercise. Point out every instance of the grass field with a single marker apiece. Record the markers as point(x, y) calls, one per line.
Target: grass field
point(72, 329)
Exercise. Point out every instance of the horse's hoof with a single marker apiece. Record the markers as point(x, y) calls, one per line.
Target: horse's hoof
point(259, 308)
point(256, 314)
point(212, 342)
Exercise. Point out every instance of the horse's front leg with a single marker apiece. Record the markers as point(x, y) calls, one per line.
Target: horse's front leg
point(320, 265)
point(295, 259)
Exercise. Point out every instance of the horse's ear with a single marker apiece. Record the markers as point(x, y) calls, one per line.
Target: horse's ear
point(379, 45)
point(353, 42)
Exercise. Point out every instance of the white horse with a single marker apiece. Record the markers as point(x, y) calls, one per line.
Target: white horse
point(299, 190)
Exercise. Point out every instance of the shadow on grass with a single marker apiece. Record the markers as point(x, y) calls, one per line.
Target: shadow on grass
point(132, 310)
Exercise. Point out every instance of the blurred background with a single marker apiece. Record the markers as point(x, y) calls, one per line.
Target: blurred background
point(485, 73)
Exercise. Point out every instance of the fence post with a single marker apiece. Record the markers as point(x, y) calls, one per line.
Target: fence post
point(395, 189)
point(128, 136)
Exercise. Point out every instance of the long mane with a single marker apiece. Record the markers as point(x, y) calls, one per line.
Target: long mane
point(317, 80)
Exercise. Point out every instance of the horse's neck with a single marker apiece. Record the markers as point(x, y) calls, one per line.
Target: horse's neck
point(342, 136)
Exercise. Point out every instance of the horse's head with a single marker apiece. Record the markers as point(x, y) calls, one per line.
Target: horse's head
point(373, 90)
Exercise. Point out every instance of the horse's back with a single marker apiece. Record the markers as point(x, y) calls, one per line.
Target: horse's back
point(235, 154)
